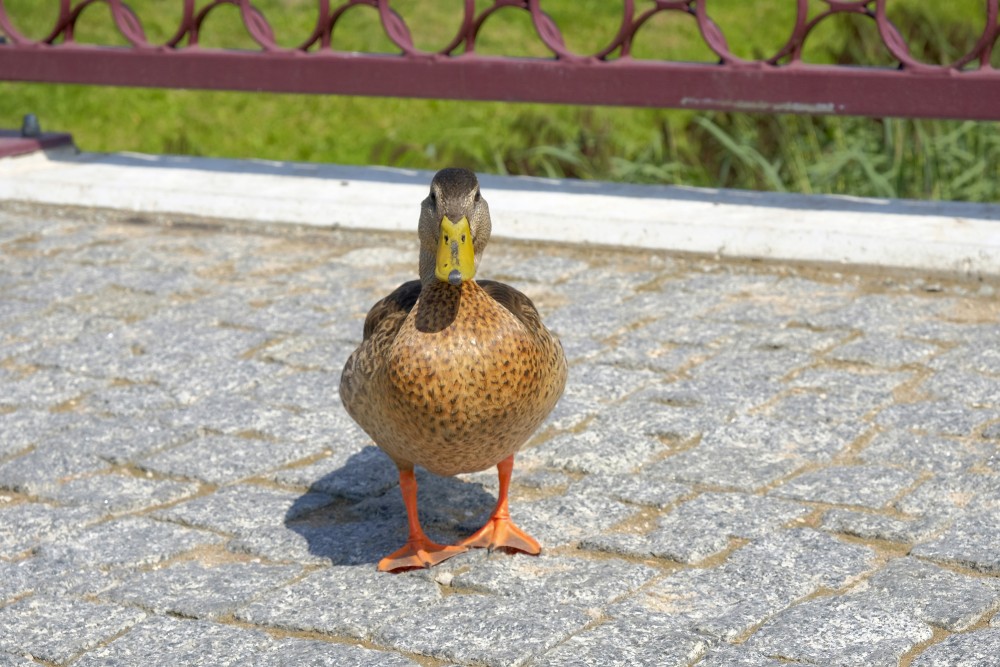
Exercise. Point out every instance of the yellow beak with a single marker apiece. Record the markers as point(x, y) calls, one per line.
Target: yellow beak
point(456, 260)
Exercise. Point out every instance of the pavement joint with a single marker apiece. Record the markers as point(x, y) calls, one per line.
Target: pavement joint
point(753, 463)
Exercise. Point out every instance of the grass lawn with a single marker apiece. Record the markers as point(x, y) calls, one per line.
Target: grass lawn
point(923, 159)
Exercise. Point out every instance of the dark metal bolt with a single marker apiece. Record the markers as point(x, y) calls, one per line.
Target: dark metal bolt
point(30, 126)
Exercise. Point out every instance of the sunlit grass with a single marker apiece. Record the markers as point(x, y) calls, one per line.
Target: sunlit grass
point(923, 159)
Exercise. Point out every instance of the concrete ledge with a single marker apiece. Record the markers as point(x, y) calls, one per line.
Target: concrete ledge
point(942, 237)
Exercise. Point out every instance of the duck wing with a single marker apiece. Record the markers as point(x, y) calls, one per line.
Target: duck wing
point(387, 316)
point(519, 305)
point(382, 323)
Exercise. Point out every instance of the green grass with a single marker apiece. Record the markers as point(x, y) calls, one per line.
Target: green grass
point(858, 156)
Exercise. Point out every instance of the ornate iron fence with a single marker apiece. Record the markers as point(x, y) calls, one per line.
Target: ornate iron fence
point(967, 88)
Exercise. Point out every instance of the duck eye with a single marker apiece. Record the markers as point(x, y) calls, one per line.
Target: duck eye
point(478, 196)
point(433, 198)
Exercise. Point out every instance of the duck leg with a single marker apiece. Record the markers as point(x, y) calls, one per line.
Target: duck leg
point(499, 531)
point(419, 550)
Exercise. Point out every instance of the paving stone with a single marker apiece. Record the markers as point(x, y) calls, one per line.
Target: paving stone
point(50, 577)
point(608, 383)
point(737, 656)
point(484, 630)
point(118, 493)
point(47, 388)
point(558, 481)
point(975, 649)
point(660, 413)
point(56, 629)
point(130, 541)
point(886, 313)
point(348, 543)
point(992, 431)
point(229, 415)
point(689, 332)
point(947, 494)
point(790, 337)
point(212, 377)
point(760, 364)
point(639, 489)
point(695, 385)
point(865, 387)
point(22, 429)
point(188, 340)
point(935, 417)
point(880, 526)
point(564, 321)
point(596, 450)
point(225, 459)
point(747, 471)
point(380, 257)
point(953, 332)
point(703, 527)
point(759, 451)
point(315, 352)
point(637, 350)
point(722, 284)
point(165, 641)
point(708, 402)
point(578, 348)
point(622, 643)
point(972, 541)
point(884, 351)
point(537, 268)
point(979, 355)
point(13, 310)
point(314, 653)
point(295, 313)
point(755, 582)
point(244, 508)
point(122, 442)
point(346, 473)
point(199, 591)
point(46, 467)
point(26, 525)
point(567, 580)
point(299, 390)
point(10, 660)
point(365, 600)
point(562, 520)
point(937, 596)
point(750, 311)
point(131, 401)
point(321, 431)
point(667, 415)
point(864, 486)
point(850, 630)
point(923, 452)
point(975, 389)
point(808, 406)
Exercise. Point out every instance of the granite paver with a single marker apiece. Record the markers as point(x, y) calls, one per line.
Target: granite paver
point(752, 465)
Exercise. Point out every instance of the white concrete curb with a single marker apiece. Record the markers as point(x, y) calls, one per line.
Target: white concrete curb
point(945, 237)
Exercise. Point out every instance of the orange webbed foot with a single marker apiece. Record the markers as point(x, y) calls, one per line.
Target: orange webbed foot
point(502, 533)
point(417, 554)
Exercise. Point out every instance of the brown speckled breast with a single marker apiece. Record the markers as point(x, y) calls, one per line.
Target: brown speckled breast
point(464, 383)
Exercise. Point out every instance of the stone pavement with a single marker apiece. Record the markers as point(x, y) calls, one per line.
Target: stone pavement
point(752, 465)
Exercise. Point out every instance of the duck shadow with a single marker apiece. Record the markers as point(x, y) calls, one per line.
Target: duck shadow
point(367, 519)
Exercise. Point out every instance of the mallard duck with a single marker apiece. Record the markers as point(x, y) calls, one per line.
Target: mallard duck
point(453, 374)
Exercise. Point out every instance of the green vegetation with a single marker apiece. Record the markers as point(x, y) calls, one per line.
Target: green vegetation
point(859, 156)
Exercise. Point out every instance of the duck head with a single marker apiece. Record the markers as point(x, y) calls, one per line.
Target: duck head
point(454, 228)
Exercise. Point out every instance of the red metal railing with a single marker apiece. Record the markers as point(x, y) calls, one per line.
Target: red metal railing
point(967, 88)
